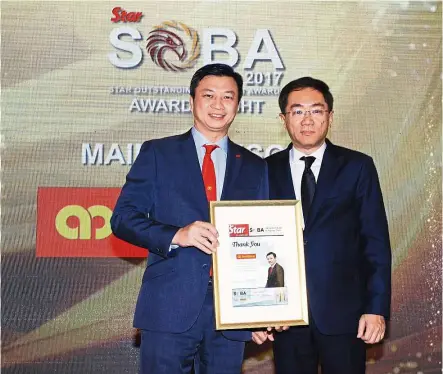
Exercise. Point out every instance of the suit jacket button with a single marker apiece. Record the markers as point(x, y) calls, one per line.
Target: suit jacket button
point(305, 242)
point(205, 266)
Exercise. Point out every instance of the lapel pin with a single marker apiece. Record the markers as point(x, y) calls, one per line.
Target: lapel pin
point(237, 155)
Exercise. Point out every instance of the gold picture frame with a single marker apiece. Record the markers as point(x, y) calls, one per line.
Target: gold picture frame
point(255, 237)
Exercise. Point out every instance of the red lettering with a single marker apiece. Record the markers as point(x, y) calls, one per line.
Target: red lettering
point(116, 13)
point(134, 16)
point(123, 16)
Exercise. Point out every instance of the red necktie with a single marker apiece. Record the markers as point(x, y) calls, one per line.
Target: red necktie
point(208, 172)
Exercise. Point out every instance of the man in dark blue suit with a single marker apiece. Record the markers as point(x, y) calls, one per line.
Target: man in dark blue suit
point(347, 249)
point(163, 207)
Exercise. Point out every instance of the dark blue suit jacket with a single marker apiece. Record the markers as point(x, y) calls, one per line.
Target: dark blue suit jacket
point(347, 249)
point(164, 191)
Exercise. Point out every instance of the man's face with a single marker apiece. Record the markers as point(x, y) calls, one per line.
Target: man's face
point(215, 105)
point(307, 119)
point(271, 260)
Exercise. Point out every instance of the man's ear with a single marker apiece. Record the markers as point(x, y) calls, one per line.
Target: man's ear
point(282, 120)
point(331, 118)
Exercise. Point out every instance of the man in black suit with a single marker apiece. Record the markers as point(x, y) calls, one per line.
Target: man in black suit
point(276, 273)
point(346, 239)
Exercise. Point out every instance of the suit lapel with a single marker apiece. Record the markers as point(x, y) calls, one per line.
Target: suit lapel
point(283, 177)
point(190, 170)
point(331, 164)
point(233, 165)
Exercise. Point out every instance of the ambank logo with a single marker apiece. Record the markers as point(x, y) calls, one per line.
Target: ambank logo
point(84, 216)
point(75, 222)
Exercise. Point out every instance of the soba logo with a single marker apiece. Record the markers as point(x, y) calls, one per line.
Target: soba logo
point(167, 46)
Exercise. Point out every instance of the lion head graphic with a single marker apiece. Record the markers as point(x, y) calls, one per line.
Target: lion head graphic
point(167, 48)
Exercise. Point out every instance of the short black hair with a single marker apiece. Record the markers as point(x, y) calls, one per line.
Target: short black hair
point(220, 70)
point(300, 84)
point(271, 253)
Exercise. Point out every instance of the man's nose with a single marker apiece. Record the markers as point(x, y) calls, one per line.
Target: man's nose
point(217, 103)
point(307, 118)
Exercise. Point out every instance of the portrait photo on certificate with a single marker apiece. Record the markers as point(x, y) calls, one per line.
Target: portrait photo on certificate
point(259, 267)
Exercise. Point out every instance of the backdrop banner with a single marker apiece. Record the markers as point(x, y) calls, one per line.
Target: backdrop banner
point(85, 83)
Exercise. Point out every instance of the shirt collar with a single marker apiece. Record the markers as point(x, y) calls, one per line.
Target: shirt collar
point(295, 154)
point(200, 140)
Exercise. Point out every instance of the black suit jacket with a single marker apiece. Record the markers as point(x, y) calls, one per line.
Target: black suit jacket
point(346, 239)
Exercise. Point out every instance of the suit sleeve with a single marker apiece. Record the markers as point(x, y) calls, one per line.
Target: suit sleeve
point(280, 277)
point(375, 241)
point(132, 219)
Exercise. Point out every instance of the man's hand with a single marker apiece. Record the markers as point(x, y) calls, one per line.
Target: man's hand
point(201, 235)
point(371, 328)
point(259, 337)
point(278, 328)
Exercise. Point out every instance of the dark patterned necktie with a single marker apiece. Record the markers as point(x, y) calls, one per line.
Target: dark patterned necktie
point(307, 186)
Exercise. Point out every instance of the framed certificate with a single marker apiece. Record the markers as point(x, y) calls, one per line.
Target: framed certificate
point(259, 267)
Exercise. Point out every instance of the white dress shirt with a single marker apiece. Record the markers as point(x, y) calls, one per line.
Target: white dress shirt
point(298, 166)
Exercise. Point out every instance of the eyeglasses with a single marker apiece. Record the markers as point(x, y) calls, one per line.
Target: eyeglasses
point(298, 113)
